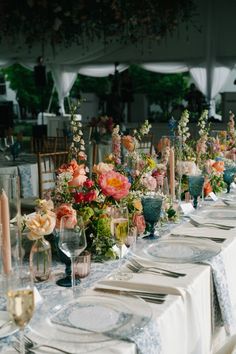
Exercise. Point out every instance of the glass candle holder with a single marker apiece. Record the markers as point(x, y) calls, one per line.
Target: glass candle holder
point(83, 265)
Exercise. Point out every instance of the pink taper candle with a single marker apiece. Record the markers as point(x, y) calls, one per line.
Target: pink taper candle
point(6, 240)
point(172, 173)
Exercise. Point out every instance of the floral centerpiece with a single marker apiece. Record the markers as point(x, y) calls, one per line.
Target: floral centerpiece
point(113, 182)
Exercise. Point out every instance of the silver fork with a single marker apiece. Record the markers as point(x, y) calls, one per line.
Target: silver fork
point(155, 271)
point(209, 224)
point(31, 346)
point(140, 266)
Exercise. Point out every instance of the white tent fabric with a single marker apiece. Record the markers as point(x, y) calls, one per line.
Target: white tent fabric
point(165, 68)
point(101, 70)
point(63, 81)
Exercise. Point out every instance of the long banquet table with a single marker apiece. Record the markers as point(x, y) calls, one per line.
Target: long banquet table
point(183, 323)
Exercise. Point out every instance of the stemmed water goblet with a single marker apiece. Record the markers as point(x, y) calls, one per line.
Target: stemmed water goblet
point(20, 300)
point(120, 231)
point(152, 205)
point(196, 183)
point(72, 242)
point(228, 177)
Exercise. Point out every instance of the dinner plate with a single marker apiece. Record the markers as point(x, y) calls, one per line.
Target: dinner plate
point(179, 250)
point(8, 329)
point(91, 319)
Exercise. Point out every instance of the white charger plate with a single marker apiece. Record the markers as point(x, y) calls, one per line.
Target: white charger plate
point(178, 250)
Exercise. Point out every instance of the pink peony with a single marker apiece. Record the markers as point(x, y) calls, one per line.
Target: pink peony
point(114, 184)
point(67, 211)
point(139, 222)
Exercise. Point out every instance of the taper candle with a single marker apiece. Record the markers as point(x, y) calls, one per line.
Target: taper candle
point(172, 172)
point(6, 240)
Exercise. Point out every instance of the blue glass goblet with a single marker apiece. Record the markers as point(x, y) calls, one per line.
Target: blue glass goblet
point(151, 212)
point(195, 187)
point(228, 177)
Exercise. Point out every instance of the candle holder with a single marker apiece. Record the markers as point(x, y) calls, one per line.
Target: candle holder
point(83, 265)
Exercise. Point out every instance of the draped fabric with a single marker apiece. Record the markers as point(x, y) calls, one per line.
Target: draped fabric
point(63, 82)
point(218, 78)
point(165, 68)
point(101, 70)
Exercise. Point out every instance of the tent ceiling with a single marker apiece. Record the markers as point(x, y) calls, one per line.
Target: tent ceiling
point(211, 33)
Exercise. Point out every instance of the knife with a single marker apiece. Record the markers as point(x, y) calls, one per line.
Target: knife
point(215, 239)
point(146, 294)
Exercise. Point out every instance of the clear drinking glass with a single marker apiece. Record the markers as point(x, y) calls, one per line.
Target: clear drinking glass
point(72, 241)
point(20, 300)
point(120, 231)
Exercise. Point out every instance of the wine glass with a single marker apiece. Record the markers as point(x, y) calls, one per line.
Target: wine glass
point(72, 241)
point(228, 177)
point(152, 205)
point(20, 300)
point(120, 231)
point(195, 187)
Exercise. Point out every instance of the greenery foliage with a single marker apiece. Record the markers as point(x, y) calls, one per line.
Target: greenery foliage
point(165, 90)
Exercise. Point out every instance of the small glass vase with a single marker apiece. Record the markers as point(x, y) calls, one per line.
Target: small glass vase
point(40, 260)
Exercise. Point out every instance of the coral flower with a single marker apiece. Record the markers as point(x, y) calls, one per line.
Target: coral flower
point(114, 184)
point(128, 142)
point(219, 166)
point(139, 222)
point(69, 167)
point(70, 214)
point(79, 177)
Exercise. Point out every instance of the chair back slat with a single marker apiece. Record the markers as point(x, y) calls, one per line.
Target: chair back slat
point(48, 163)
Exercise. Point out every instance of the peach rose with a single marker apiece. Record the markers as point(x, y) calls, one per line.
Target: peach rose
point(102, 167)
point(114, 184)
point(139, 222)
point(128, 142)
point(67, 211)
point(41, 225)
point(79, 177)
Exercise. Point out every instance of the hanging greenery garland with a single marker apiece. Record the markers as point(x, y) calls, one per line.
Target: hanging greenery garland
point(68, 22)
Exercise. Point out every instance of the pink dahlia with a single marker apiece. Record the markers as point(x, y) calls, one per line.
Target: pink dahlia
point(114, 184)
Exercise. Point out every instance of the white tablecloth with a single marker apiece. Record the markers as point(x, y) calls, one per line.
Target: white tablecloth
point(184, 320)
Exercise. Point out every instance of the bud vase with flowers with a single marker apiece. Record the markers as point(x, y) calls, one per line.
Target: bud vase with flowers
point(40, 224)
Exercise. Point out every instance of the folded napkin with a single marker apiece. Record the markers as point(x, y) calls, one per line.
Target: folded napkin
point(222, 293)
point(138, 282)
point(201, 220)
point(189, 230)
point(26, 189)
